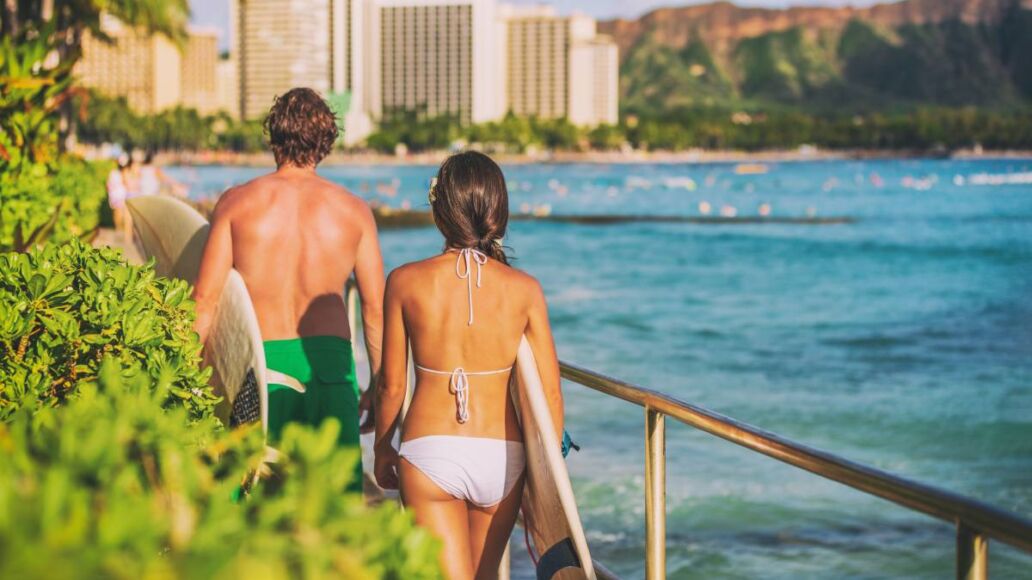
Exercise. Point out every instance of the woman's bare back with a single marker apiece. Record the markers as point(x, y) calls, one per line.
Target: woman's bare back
point(436, 309)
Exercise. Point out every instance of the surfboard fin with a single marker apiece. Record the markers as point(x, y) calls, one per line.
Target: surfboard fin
point(559, 556)
point(278, 378)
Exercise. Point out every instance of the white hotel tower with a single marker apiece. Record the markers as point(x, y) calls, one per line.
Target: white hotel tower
point(439, 56)
point(472, 59)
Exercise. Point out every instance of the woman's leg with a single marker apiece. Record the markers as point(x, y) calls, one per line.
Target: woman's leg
point(441, 514)
point(489, 531)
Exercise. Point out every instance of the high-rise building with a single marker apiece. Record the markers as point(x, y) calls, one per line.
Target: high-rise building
point(227, 87)
point(437, 57)
point(538, 63)
point(282, 44)
point(352, 61)
point(538, 59)
point(198, 79)
point(594, 82)
point(145, 69)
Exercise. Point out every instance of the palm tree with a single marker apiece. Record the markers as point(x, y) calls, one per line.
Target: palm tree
point(61, 24)
point(72, 18)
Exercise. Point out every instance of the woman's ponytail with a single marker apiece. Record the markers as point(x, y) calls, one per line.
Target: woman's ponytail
point(493, 248)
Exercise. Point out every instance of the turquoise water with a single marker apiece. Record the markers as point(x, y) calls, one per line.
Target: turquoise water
point(903, 340)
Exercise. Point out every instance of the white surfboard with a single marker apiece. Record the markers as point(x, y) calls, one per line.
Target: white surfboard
point(549, 508)
point(174, 234)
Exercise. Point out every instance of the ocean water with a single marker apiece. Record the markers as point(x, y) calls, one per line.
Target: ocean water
point(903, 340)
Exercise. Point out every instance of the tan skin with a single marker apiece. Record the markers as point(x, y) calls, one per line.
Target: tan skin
point(427, 305)
point(295, 238)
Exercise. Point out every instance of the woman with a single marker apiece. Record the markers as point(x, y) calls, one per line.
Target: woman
point(118, 192)
point(151, 177)
point(460, 464)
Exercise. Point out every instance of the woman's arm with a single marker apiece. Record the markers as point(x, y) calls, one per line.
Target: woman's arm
point(539, 335)
point(392, 387)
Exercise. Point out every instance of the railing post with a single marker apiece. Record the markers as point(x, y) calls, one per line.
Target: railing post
point(972, 554)
point(655, 495)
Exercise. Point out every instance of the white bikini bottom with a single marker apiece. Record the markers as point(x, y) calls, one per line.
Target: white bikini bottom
point(479, 470)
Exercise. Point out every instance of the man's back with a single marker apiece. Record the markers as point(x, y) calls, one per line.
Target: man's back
point(295, 239)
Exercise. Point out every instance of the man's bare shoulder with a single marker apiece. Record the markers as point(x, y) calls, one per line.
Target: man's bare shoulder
point(342, 199)
point(240, 197)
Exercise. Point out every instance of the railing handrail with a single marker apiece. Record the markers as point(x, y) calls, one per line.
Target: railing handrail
point(945, 505)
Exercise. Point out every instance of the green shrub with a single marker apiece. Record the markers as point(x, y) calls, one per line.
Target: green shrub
point(112, 486)
point(64, 308)
point(32, 90)
point(38, 206)
point(43, 196)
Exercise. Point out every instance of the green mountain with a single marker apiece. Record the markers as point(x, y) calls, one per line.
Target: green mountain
point(890, 57)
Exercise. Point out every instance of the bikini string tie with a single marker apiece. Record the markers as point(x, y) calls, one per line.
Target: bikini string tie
point(468, 256)
point(459, 384)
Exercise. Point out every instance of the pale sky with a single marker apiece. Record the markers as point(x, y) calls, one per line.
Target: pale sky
point(216, 12)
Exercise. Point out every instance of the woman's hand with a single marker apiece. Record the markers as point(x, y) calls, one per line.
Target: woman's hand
point(385, 467)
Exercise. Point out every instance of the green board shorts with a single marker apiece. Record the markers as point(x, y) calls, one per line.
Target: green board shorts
point(325, 365)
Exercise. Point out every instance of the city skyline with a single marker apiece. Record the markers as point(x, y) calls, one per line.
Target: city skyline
point(473, 60)
point(215, 13)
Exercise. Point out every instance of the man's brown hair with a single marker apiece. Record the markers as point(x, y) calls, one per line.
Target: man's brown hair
point(301, 128)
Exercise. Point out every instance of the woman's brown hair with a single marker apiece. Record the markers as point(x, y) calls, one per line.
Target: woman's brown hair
point(470, 204)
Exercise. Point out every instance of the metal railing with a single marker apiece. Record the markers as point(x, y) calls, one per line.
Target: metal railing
point(976, 522)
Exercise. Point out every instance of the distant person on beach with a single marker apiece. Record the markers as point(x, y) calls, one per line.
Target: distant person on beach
point(296, 238)
point(460, 466)
point(118, 193)
point(153, 180)
point(131, 175)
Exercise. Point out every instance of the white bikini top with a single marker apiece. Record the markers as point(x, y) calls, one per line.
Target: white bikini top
point(458, 381)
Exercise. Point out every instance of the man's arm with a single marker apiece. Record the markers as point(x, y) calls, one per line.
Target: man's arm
point(391, 390)
point(216, 263)
point(369, 275)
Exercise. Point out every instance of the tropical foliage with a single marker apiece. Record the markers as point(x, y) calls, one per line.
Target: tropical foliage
point(46, 196)
point(112, 485)
point(31, 90)
point(110, 120)
point(63, 204)
point(923, 129)
point(65, 308)
point(421, 132)
point(858, 67)
point(68, 20)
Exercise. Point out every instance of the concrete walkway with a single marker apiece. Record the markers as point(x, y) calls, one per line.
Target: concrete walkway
point(108, 237)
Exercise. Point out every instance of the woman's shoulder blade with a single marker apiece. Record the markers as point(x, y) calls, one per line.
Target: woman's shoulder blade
point(408, 272)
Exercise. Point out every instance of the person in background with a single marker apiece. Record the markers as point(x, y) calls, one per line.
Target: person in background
point(131, 176)
point(153, 180)
point(460, 466)
point(296, 238)
point(118, 192)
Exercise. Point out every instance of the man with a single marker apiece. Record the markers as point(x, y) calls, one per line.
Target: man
point(296, 238)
